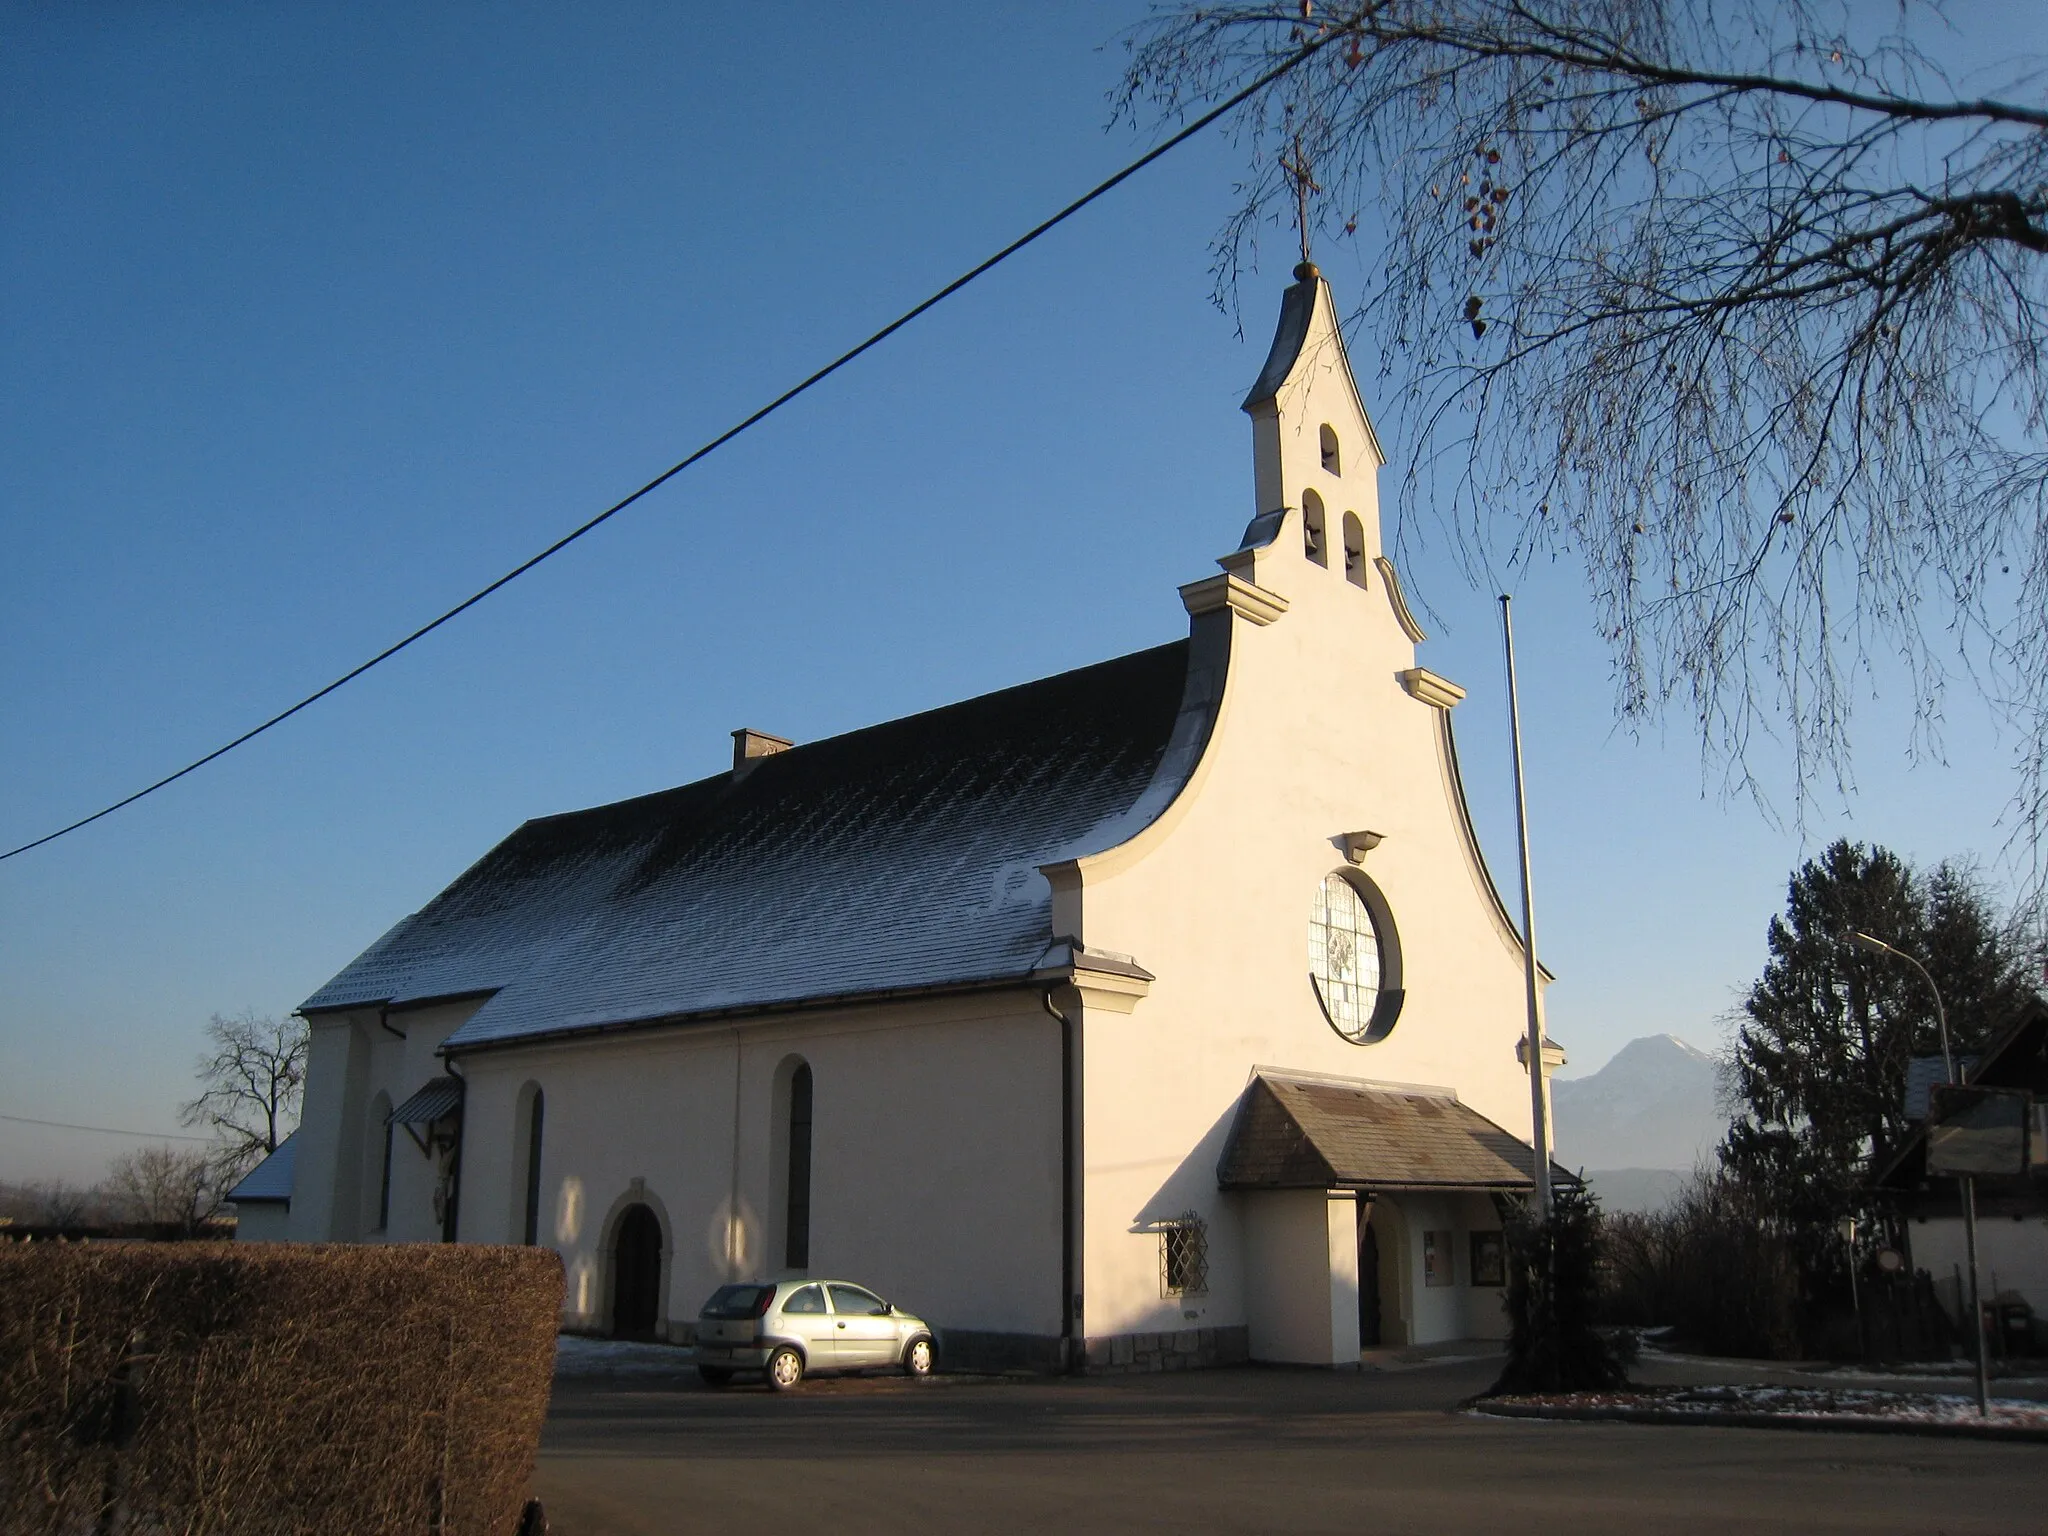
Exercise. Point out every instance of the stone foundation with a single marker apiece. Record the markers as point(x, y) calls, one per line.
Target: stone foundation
point(1179, 1349)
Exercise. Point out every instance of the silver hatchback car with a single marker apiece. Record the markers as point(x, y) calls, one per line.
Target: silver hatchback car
point(786, 1329)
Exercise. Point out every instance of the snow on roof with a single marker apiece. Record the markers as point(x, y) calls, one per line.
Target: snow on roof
point(269, 1180)
point(901, 856)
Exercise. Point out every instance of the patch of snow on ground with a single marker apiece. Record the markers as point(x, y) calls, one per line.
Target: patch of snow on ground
point(578, 1356)
point(1816, 1403)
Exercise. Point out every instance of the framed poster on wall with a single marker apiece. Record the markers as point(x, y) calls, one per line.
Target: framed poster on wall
point(1489, 1258)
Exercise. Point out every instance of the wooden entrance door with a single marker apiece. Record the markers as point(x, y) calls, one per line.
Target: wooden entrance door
point(636, 1274)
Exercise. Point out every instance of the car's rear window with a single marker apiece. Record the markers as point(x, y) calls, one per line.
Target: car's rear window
point(734, 1301)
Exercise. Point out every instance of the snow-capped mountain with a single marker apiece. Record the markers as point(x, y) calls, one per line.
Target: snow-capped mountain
point(1654, 1106)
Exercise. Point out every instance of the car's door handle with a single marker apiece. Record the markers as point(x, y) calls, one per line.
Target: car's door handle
point(842, 1325)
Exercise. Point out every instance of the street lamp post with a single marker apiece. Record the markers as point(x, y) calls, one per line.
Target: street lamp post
point(1968, 1185)
point(1539, 1128)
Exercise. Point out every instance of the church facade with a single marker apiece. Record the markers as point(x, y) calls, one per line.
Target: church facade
point(1161, 1012)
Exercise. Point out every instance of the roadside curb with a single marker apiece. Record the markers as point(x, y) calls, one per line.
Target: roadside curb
point(1712, 1420)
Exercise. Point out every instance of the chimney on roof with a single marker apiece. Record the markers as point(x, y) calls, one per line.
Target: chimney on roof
point(748, 747)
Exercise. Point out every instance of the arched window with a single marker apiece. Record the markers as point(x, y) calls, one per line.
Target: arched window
point(1332, 460)
point(1354, 550)
point(796, 1244)
point(530, 1133)
point(1314, 538)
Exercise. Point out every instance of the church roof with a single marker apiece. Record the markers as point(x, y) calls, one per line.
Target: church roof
point(1316, 1133)
point(1922, 1073)
point(901, 857)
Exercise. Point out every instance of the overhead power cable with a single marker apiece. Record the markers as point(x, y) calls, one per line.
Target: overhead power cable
point(1293, 60)
point(103, 1130)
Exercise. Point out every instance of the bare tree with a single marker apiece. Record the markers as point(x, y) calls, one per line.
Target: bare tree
point(1739, 301)
point(252, 1085)
point(61, 1204)
point(166, 1187)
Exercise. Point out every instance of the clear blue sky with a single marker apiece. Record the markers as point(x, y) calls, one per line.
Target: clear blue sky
point(317, 317)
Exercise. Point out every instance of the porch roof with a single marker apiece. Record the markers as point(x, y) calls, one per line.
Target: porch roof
point(437, 1100)
point(1321, 1133)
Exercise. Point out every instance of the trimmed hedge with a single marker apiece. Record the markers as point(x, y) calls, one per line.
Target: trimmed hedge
point(205, 1387)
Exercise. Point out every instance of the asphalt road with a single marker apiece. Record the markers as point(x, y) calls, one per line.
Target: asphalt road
point(1252, 1450)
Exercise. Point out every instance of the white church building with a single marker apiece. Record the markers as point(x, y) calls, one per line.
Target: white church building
point(1159, 1013)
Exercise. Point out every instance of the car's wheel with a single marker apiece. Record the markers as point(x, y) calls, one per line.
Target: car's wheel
point(918, 1359)
point(785, 1369)
point(714, 1375)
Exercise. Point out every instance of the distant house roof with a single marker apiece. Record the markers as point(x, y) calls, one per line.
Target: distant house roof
point(2017, 1057)
point(901, 857)
point(1922, 1073)
point(270, 1181)
point(1318, 1133)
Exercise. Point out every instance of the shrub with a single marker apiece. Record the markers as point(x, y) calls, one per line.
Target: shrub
point(1714, 1266)
point(205, 1387)
point(1554, 1341)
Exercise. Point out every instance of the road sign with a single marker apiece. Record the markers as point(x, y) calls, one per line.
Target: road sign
point(1977, 1131)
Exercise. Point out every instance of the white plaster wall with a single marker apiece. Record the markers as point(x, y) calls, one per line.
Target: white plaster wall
point(1436, 1312)
point(401, 1068)
point(1315, 737)
point(266, 1221)
point(1397, 1307)
point(1340, 1241)
point(1301, 1276)
point(1485, 1306)
point(2012, 1255)
point(351, 1059)
point(935, 1155)
point(326, 1165)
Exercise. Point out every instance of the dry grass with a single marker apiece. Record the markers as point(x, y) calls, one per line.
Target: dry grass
point(205, 1388)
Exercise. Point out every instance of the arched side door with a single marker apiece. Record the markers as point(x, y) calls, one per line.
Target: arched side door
point(636, 1274)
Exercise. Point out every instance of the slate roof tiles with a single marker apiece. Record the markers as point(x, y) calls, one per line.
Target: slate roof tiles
point(901, 856)
point(1303, 1133)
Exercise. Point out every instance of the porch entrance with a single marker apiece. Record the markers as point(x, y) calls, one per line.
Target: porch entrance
point(1368, 1278)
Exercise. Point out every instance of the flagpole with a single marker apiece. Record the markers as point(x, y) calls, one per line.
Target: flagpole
point(1538, 1118)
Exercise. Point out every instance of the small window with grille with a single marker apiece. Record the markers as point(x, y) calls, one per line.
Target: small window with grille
point(1184, 1256)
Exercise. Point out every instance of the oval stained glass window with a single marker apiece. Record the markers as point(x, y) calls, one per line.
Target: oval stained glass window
point(1344, 957)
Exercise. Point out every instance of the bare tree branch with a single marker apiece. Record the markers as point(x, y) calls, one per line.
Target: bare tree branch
point(251, 1087)
point(1741, 311)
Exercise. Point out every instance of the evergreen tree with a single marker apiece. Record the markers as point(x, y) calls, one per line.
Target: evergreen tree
point(1553, 1301)
point(1819, 1070)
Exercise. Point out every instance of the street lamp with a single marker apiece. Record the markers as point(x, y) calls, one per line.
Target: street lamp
point(1968, 1185)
